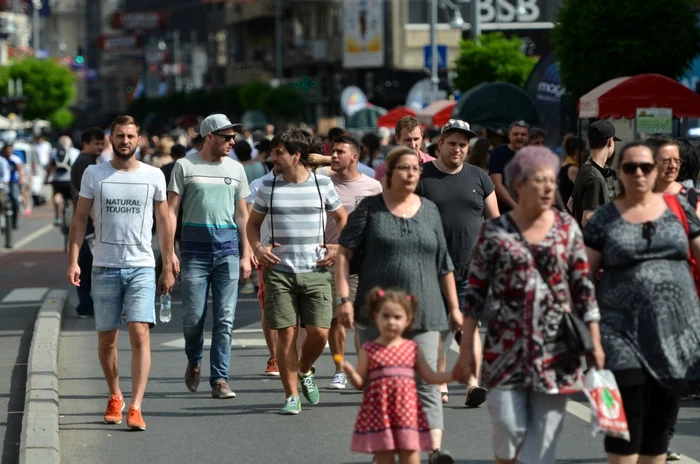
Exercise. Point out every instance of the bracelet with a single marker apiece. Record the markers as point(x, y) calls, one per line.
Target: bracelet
point(257, 247)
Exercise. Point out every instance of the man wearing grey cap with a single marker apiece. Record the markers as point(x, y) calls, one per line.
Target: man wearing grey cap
point(212, 188)
point(464, 194)
point(590, 189)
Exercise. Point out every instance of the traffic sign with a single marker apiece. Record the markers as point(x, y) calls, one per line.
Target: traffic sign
point(428, 55)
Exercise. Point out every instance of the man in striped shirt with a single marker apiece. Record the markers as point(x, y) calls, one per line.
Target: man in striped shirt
point(297, 279)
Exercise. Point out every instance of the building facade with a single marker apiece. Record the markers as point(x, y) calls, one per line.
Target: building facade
point(243, 44)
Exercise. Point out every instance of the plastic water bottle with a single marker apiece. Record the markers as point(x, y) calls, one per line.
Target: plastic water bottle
point(166, 312)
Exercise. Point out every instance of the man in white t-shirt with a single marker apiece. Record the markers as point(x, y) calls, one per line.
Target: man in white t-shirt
point(296, 257)
point(352, 187)
point(122, 196)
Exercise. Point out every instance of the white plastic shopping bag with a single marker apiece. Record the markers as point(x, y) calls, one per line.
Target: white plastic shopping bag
point(607, 412)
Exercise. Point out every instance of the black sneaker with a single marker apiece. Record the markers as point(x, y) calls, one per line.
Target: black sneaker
point(441, 456)
point(192, 377)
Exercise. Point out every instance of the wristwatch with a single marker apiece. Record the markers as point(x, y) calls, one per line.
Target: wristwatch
point(341, 300)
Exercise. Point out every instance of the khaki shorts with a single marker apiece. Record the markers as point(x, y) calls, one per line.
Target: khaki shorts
point(353, 281)
point(292, 297)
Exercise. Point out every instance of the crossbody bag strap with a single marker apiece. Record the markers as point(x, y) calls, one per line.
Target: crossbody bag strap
point(543, 276)
point(272, 215)
point(323, 209)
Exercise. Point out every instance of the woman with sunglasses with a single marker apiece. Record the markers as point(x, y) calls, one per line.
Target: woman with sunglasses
point(403, 243)
point(650, 325)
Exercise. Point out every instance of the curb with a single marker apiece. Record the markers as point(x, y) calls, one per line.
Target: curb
point(39, 441)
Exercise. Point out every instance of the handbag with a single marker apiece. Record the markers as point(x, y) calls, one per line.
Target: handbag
point(576, 334)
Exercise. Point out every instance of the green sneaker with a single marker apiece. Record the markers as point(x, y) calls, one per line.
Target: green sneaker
point(309, 387)
point(292, 406)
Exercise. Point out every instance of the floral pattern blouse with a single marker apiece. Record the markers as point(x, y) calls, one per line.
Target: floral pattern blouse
point(525, 347)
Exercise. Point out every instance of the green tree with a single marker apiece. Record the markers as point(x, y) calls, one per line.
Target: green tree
point(253, 95)
point(595, 44)
point(285, 101)
point(494, 58)
point(47, 86)
point(62, 118)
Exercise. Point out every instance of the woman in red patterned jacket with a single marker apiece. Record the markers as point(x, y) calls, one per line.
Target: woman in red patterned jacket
point(533, 261)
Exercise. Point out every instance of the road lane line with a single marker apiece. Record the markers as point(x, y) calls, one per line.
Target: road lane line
point(29, 238)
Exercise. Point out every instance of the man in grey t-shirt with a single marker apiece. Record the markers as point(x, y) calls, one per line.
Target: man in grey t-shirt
point(297, 279)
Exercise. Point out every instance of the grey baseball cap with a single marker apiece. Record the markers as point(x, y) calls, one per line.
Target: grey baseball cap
point(215, 123)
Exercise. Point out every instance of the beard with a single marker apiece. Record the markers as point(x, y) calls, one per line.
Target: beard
point(124, 156)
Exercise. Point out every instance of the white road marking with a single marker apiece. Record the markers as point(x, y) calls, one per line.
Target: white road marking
point(29, 238)
point(25, 295)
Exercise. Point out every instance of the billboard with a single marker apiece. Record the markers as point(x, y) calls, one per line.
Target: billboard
point(545, 87)
point(363, 33)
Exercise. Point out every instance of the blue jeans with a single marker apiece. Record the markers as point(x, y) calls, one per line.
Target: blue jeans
point(198, 276)
point(131, 289)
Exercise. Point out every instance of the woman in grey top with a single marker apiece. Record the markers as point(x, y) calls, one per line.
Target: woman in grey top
point(404, 247)
point(650, 323)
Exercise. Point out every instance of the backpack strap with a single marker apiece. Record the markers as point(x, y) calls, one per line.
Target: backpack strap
point(675, 206)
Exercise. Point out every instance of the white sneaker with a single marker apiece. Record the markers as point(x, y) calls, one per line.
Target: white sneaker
point(339, 381)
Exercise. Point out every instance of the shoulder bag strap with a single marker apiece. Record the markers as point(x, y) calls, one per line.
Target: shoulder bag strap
point(675, 206)
point(272, 215)
point(323, 209)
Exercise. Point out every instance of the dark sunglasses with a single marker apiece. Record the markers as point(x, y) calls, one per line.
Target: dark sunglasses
point(227, 137)
point(631, 168)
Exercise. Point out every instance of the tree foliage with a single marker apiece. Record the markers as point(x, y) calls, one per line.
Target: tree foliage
point(494, 59)
point(62, 118)
point(284, 101)
point(595, 43)
point(47, 85)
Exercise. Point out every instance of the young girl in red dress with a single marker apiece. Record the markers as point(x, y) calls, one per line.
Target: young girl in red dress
point(391, 419)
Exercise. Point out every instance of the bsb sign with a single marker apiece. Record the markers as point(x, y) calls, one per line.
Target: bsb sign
point(509, 11)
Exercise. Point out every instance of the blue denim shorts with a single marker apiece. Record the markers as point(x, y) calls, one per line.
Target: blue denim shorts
point(133, 289)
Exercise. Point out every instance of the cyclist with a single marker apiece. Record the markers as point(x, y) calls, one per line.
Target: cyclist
point(60, 166)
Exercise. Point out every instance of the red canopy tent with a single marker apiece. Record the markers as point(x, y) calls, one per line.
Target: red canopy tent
point(437, 113)
point(620, 98)
point(392, 117)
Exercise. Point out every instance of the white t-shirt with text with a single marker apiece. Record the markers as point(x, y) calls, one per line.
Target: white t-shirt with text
point(122, 210)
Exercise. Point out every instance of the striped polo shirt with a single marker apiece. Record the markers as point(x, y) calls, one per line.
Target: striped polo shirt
point(297, 214)
point(209, 194)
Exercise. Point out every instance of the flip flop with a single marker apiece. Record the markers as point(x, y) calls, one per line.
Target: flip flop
point(475, 397)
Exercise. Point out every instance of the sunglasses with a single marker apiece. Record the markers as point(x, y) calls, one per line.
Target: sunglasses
point(631, 168)
point(226, 137)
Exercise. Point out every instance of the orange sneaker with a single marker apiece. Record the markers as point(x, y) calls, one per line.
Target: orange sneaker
point(115, 406)
point(134, 421)
point(272, 367)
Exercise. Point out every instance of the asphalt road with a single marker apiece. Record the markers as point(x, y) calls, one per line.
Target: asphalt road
point(188, 427)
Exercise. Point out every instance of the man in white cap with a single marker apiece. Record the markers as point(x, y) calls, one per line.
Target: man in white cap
point(464, 194)
point(212, 188)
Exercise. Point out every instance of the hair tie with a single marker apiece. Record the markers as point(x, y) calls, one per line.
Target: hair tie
point(380, 292)
point(409, 297)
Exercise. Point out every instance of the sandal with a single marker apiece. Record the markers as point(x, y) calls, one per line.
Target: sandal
point(475, 396)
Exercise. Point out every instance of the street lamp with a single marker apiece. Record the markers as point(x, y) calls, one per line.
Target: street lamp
point(456, 23)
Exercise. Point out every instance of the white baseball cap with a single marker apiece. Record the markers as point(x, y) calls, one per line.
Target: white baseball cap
point(217, 122)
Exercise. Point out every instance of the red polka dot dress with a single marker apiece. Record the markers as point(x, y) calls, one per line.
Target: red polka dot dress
point(391, 416)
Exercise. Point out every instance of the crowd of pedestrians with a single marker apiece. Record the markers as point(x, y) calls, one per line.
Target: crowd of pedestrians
point(411, 250)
